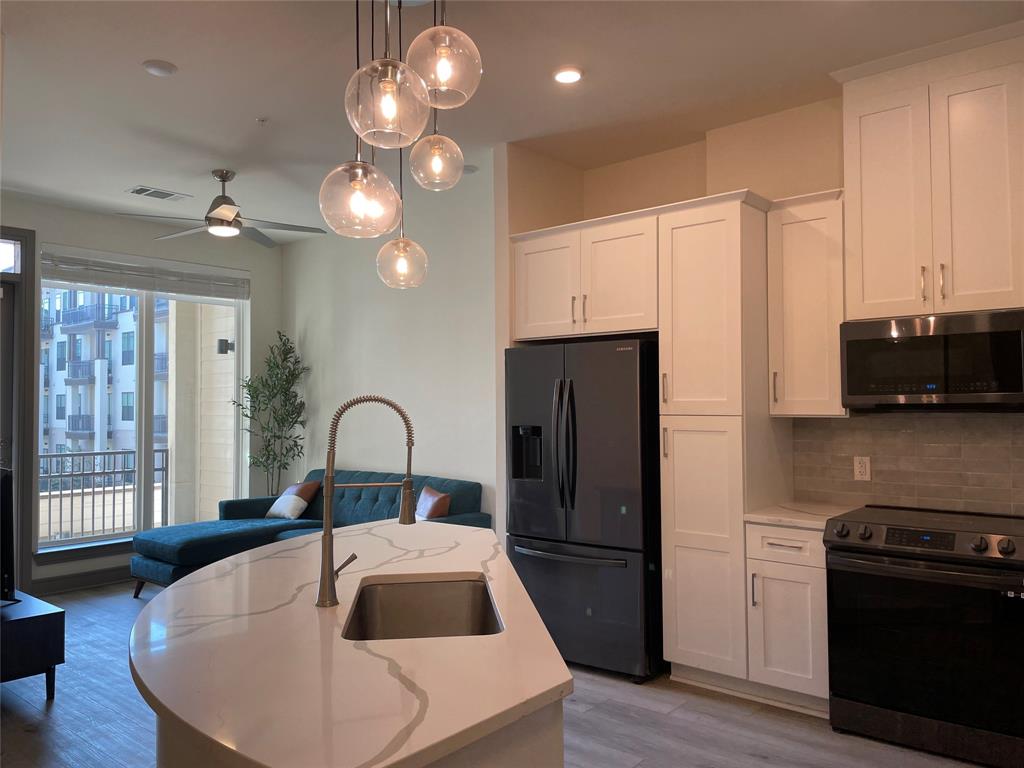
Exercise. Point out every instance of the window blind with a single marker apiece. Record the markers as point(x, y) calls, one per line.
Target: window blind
point(68, 264)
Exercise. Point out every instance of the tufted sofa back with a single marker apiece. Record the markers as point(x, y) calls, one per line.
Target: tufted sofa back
point(363, 505)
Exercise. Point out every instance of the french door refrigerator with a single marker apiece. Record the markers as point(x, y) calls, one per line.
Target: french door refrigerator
point(583, 516)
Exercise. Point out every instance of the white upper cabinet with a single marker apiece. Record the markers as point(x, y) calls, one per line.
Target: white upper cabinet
point(699, 263)
point(977, 137)
point(805, 305)
point(593, 279)
point(547, 280)
point(888, 204)
point(619, 271)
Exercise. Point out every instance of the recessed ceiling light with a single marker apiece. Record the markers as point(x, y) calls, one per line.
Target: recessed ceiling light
point(159, 68)
point(567, 75)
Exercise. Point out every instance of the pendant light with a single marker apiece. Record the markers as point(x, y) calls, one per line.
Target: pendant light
point(386, 100)
point(448, 61)
point(436, 161)
point(402, 263)
point(356, 199)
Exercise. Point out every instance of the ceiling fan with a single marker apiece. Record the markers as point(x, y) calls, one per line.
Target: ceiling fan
point(223, 220)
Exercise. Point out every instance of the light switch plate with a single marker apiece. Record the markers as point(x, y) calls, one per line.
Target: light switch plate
point(861, 467)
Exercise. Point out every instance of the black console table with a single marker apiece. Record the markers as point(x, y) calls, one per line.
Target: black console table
point(31, 640)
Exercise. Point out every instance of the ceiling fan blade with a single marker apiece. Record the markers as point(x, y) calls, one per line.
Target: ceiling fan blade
point(158, 216)
point(224, 212)
point(256, 236)
point(287, 227)
point(182, 233)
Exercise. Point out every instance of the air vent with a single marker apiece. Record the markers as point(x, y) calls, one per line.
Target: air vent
point(157, 194)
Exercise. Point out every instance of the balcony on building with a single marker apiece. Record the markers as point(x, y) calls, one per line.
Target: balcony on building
point(160, 365)
point(46, 323)
point(161, 308)
point(80, 425)
point(160, 426)
point(89, 317)
point(80, 372)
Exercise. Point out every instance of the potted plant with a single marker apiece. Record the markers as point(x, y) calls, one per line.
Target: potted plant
point(273, 410)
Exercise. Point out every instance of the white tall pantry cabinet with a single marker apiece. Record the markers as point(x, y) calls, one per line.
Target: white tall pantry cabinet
point(722, 454)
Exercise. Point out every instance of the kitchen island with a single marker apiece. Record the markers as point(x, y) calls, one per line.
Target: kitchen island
point(242, 669)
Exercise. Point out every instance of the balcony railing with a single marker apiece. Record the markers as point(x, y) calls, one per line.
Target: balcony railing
point(89, 316)
point(91, 495)
point(82, 423)
point(80, 372)
point(159, 425)
point(46, 324)
point(160, 365)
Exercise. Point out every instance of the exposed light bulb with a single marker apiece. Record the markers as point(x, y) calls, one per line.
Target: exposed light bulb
point(402, 265)
point(444, 65)
point(388, 103)
point(436, 163)
point(357, 200)
point(357, 203)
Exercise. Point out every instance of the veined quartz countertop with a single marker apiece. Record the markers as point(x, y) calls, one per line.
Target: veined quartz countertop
point(797, 514)
point(238, 652)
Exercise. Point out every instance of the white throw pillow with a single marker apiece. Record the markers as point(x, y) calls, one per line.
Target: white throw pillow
point(289, 507)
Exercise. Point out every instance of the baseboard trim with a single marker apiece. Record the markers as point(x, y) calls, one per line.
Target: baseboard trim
point(54, 585)
point(745, 689)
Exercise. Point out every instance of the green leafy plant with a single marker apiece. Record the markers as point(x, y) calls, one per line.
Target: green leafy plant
point(273, 410)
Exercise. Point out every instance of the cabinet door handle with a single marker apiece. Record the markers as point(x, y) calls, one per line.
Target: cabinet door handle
point(775, 386)
point(924, 294)
point(664, 387)
point(942, 281)
point(780, 545)
point(753, 588)
point(572, 307)
point(664, 442)
point(584, 308)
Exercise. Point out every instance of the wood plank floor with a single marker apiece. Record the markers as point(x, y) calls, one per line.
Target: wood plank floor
point(99, 720)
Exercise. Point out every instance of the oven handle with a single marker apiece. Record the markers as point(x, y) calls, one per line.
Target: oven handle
point(919, 570)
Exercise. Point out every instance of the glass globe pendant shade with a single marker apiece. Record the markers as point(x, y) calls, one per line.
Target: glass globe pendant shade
point(357, 200)
point(386, 104)
point(449, 63)
point(436, 162)
point(402, 263)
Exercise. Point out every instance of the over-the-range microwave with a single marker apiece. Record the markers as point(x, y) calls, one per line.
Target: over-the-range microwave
point(960, 361)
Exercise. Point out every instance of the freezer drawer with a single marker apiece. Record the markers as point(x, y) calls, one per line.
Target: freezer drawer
point(591, 600)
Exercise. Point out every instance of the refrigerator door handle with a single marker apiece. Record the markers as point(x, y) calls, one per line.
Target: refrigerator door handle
point(570, 444)
point(556, 453)
point(603, 562)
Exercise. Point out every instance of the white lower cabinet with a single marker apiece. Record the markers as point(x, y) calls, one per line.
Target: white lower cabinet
point(787, 626)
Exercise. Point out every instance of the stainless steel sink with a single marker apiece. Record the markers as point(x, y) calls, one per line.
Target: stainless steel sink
point(407, 609)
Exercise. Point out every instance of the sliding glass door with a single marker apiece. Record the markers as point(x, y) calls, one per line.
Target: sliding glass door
point(136, 426)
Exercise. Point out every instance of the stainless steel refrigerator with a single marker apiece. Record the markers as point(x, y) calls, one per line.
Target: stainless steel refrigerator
point(583, 494)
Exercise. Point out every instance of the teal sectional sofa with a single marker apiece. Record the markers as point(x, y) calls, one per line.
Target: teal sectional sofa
point(164, 555)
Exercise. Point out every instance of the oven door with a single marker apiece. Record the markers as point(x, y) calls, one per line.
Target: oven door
point(930, 639)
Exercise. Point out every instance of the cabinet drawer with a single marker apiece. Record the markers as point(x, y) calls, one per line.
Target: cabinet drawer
point(785, 545)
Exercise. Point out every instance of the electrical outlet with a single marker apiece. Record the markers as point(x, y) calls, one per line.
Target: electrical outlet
point(861, 467)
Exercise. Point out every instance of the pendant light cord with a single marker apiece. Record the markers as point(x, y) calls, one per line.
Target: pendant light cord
point(359, 140)
point(401, 192)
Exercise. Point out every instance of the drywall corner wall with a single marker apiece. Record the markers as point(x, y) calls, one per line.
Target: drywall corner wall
point(502, 333)
point(542, 191)
point(793, 152)
point(643, 182)
point(431, 348)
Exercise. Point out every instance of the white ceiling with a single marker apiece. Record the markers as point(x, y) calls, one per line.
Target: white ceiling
point(83, 121)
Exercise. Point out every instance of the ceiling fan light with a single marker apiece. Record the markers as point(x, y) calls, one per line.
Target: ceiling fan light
point(386, 104)
point(449, 62)
point(222, 228)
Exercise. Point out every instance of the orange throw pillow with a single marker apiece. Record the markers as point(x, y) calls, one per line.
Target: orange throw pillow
point(432, 504)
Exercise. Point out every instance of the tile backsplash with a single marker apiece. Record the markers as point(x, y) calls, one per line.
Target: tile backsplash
point(970, 462)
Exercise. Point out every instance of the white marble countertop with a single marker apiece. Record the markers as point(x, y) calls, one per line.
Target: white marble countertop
point(797, 514)
point(238, 652)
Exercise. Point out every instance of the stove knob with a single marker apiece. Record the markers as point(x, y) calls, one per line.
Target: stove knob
point(864, 532)
point(842, 530)
point(979, 544)
point(1006, 547)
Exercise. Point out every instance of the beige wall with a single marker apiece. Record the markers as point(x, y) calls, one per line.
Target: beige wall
point(542, 191)
point(431, 348)
point(787, 153)
point(656, 179)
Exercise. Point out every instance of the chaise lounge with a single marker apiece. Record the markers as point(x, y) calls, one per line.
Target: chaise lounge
point(164, 555)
